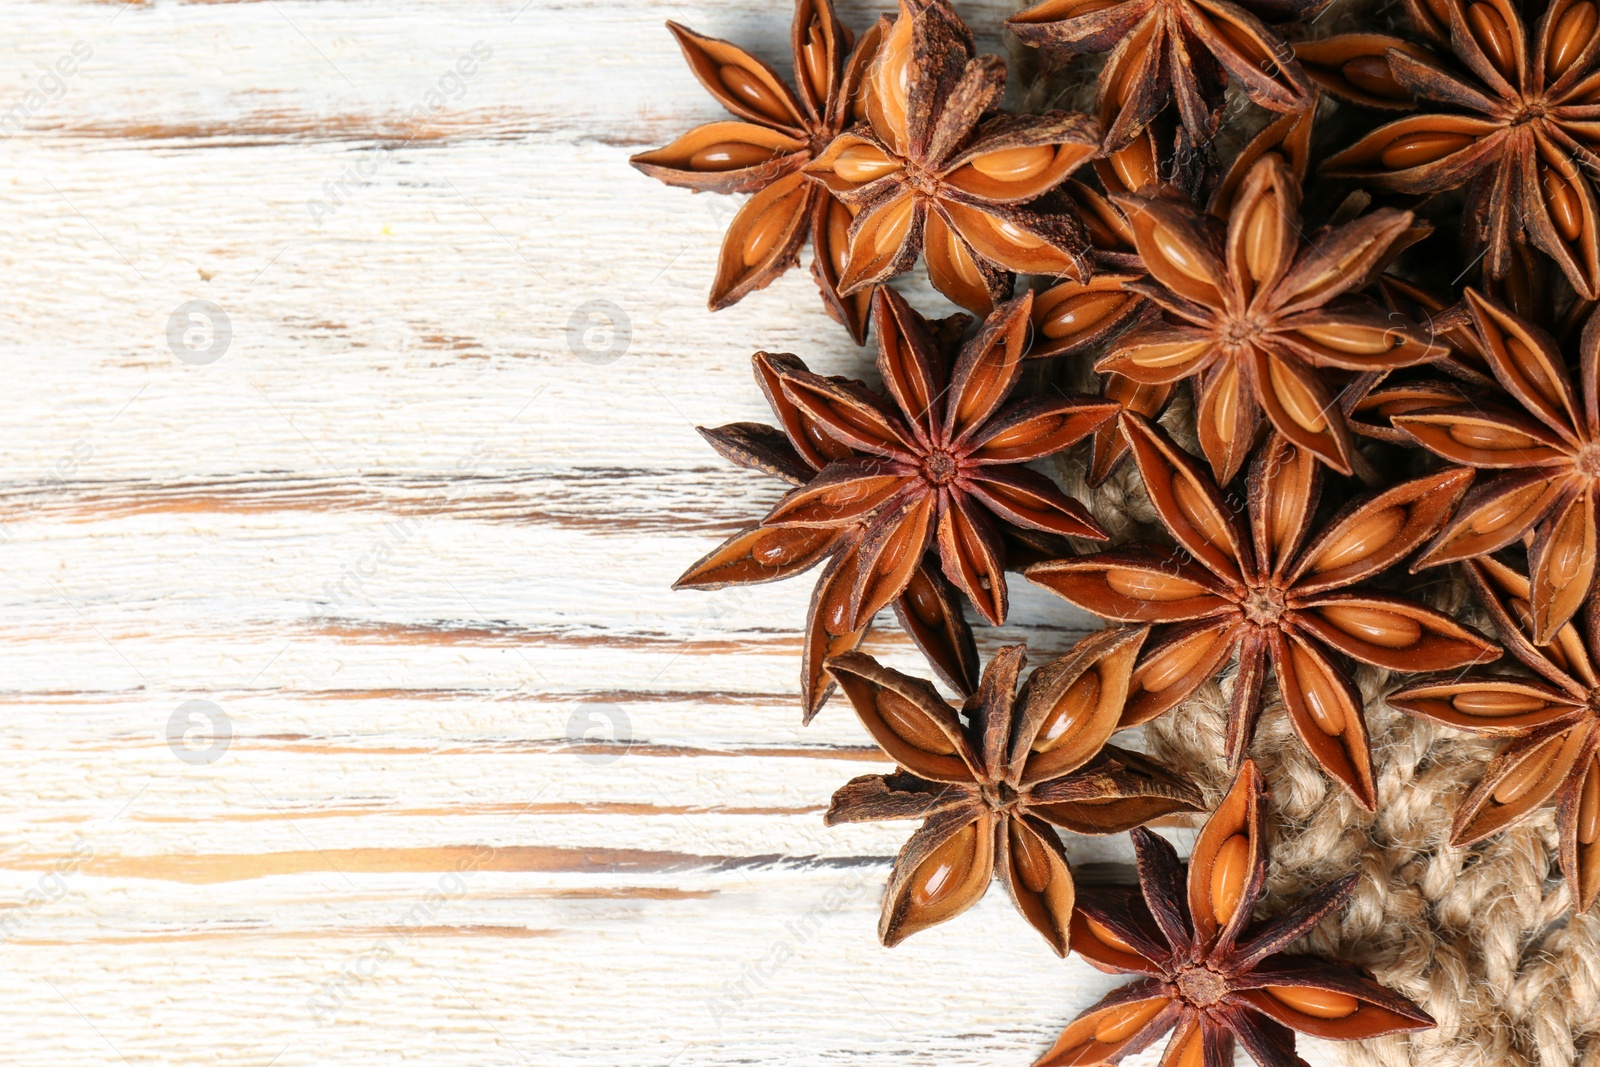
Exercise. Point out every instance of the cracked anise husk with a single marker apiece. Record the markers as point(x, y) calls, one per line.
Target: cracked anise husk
point(1551, 726)
point(1547, 456)
point(777, 134)
point(992, 789)
point(937, 172)
point(1266, 596)
point(1522, 128)
point(1212, 975)
point(1259, 309)
point(1182, 51)
point(796, 451)
point(943, 464)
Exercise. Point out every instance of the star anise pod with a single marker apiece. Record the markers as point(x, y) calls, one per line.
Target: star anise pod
point(1551, 728)
point(937, 172)
point(1548, 453)
point(1263, 598)
point(990, 790)
point(1211, 975)
point(1261, 309)
point(942, 464)
point(796, 451)
point(1175, 50)
point(1523, 131)
point(779, 133)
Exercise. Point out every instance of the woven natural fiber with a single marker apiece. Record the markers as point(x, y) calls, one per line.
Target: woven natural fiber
point(1480, 937)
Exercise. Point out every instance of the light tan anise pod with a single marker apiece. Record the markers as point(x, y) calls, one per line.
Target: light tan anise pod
point(1275, 596)
point(1546, 457)
point(1550, 724)
point(1259, 308)
point(937, 172)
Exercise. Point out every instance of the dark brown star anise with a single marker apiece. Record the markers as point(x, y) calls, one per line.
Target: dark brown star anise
point(937, 172)
point(780, 133)
point(1524, 130)
point(1212, 975)
point(943, 463)
point(1178, 50)
point(1549, 454)
point(797, 450)
point(990, 790)
point(1551, 728)
point(1262, 598)
point(1262, 308)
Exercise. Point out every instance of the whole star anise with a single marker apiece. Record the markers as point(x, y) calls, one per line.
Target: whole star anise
point(1175, 50)
point(1523, 131)
point(780, 132)
point(1212, 975)
point(1262, 308)
point(1551, 728)
point(797, 452)
point(944, 463)
point(937, 172)
point(1263, 598)
point(990, 790)
point(1549, 454)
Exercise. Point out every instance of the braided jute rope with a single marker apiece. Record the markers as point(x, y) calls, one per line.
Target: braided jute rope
point(1480, 937)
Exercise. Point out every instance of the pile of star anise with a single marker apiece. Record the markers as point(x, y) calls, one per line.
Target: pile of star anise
point(1386, 324)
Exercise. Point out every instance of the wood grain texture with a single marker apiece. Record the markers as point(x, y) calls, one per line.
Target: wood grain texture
point(418, 553)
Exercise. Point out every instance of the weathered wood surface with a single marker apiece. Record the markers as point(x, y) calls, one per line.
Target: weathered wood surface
point(416, 550)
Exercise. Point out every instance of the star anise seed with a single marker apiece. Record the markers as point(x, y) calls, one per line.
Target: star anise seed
point(1261, 598)
point(1211, 975)
point(990, 790)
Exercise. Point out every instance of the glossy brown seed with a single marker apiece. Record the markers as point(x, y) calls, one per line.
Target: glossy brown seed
point(1566, 559)
point(945, 868)
point(892, 227)
point(1081, 313)
point(1374, 625)
point(729, 155)
point(1297, 400)
point(1169, 667)
point(1371, 74)
point(894, 74)
point(1230, 871)
point(1029, 859)
point(1104, 935)
point(1016, 235)
point(1529, 773)
point(767, 231)
point(1125, 1021)
point(1489, 704)
point(1178, 254)
point(750, 91)
point(1414, 149)
point(1566, 207)
point(1015, 164)
point(814, 54)
point(1489, 29)
point(1143, 585)
point(1225, 412)
point(1363, 538)
point(1589, 805)
point(1074, 711)
point(1574, 30)
point(1201, 514)
point(923, 600)
point(1135, 165)
point(1167, 355)
point(1319, 1003)
point(1263, 234)
point(1322, 698)
point(862, 163)
point(1355, 340)
point(1194, 1052)
point(961, 260)
point(909, 723)
point(839, 219)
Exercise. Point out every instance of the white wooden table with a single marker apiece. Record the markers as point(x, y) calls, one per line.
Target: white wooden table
point(409, 540)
